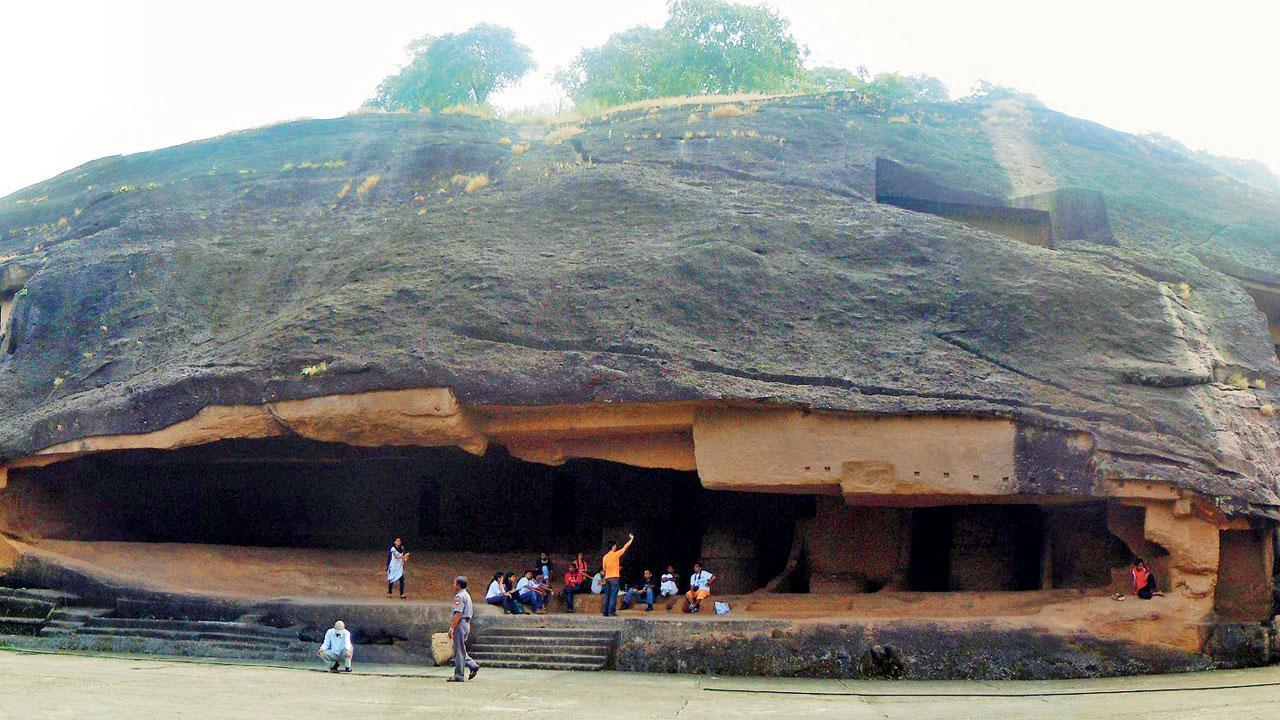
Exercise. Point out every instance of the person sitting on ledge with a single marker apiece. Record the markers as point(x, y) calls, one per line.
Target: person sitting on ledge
point(699, 588)
point(544, 566)
point(574, 582)
point(581, 561)
point(646, 589)
point(545, 588)
point(1144, 581)
point(337, 647)
point(498, 596)
point(509, 585)
point(670, 584)
point(527, 592)
point(597, 583)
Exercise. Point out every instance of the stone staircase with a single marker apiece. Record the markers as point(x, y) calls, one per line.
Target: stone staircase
point(64, 621)
point(26, 612)
point(50, 616)
point(544, 648)
point(227, 635)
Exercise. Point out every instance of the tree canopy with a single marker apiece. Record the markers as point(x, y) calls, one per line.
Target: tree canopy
point(455, 68)
point(890, 91)
point(705, 47)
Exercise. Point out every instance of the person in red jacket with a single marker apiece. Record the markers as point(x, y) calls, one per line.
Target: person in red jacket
point(575, 581)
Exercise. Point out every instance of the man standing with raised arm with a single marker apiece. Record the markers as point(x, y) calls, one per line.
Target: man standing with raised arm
point(612, 564)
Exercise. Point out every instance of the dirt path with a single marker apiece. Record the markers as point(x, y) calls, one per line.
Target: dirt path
point(69, 686)
point(1008, 125)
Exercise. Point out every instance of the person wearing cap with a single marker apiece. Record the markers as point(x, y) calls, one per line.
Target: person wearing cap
point(337, 647)
point(459, 628)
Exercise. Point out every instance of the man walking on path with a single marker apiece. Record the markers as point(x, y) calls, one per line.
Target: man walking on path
point(337, 647)
point(458, 631)
point(612, 564)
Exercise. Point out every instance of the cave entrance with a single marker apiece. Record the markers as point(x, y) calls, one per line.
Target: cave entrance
point(1013, 548)
point(292, 493)
point(1267, 298)
point(6, 313)
point(976, 547)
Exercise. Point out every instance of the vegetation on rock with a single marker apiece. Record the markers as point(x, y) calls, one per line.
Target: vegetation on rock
point(705, 47)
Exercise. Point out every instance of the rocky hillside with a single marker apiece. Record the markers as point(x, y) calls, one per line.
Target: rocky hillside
point(677, 252)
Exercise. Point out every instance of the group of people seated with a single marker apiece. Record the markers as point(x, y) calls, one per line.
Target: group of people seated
point(533, 591)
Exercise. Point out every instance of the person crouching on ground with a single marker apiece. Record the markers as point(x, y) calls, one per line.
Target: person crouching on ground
point(337, 647)
point(612, 564)
point(459, 628)
point(396, 558)
point(527, 592)
point(699, 588)
point(646, 590)
point(1144, 581)
point(574, 583)
point(498, 596)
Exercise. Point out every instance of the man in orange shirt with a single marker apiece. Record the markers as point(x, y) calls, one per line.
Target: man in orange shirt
point(612, 563)
point(1144, 581)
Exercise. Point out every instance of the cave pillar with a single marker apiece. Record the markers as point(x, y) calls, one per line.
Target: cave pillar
point(1192, 544)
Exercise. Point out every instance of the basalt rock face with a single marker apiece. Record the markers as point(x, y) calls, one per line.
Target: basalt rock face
point(909, 652)
point(652, 255)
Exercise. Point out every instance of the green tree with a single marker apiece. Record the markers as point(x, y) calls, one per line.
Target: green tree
point(830, 79)
point(455, 68)
point(705, 47)
point(894, 91)
point(987, 92)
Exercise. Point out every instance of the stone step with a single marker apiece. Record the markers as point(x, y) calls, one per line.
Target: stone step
point(21, 625)
point(56, 597)
point(542, 665)
point(586, 659)
point(303, 649)
point(182, 635)
point(190, 626)
point(25, 607)
point(77, 614)
point(539, 647)
point(511, 631)
point(52, 631)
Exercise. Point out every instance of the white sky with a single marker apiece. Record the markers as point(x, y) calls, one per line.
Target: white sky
point(82, 80)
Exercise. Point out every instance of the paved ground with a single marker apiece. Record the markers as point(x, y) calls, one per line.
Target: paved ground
point(37, 686)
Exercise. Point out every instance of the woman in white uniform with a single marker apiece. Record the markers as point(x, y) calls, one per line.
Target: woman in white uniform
point(396, 558)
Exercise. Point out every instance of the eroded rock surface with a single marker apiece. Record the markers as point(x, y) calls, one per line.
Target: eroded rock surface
point(656, 255)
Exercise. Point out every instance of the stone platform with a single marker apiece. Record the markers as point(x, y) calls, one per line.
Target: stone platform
point(886, 634)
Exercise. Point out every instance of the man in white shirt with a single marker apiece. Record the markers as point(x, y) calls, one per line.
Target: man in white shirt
point(337, 647)
point(699, 588)
point(668, 585)
point(527, 592)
